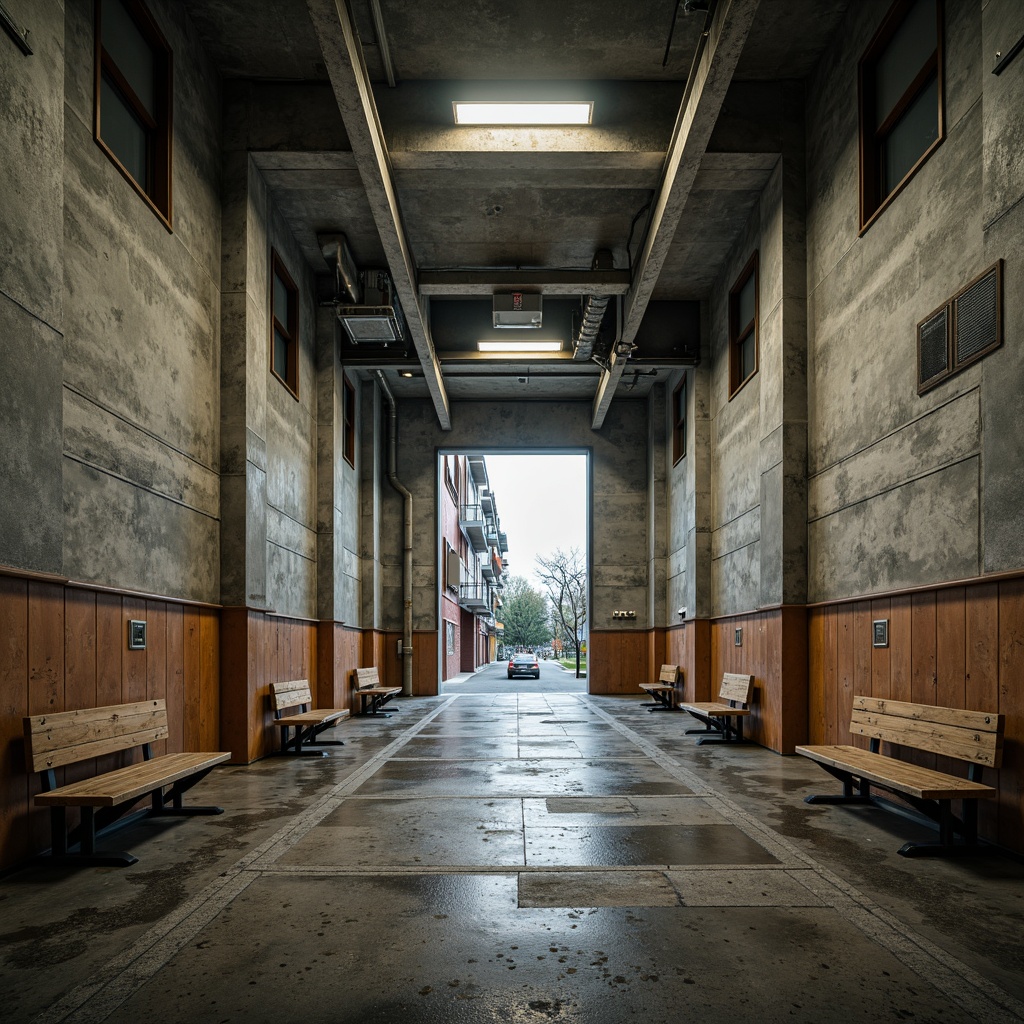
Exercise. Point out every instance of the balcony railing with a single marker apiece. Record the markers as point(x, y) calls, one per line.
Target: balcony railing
point(473, 523)
point(475, 597)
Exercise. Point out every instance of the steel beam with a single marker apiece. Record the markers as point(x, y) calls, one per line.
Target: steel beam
point(546, 282)
point(343, 57)
point(702, 101)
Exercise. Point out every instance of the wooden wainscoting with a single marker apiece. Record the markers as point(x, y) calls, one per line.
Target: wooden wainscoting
point(64, 648)
point(689, 646)
point(618, 660)
point(774, 652)
point(959, 647)
point(339, 651)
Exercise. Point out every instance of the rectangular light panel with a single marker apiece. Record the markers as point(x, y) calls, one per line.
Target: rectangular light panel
point(499, 114)
point(519, 346)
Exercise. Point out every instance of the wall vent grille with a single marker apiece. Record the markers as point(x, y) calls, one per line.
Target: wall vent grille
point(933, 348)
point(966, 327)
point(976, 317)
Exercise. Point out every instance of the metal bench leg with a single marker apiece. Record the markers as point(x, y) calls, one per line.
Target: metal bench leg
point(87, 855)
point(862, 796)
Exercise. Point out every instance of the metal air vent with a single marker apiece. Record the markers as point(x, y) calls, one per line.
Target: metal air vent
point(932, 349)
point(977, 320)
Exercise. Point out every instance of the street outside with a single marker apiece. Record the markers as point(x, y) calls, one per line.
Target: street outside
point(494, 679)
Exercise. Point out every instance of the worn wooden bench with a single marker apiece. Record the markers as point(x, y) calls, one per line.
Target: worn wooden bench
point(664, 690)
point(308, 722)
point(52, 741)
point(372, 695)
point(972, 736)
point(723, 719)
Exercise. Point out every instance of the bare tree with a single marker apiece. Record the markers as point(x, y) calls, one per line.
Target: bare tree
point(564, 576)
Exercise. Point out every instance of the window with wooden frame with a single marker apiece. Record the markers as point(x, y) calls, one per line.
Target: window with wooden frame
point(901, 108)
point(284, 329)
point(449, 476)
point(743, 330)
point(132, 99)
point(679, 421)
point(349, 416)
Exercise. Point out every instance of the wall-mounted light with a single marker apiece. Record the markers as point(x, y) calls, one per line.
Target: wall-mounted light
point(519, 346)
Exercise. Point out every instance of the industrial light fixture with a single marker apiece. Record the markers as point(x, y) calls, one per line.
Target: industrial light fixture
point(405, 373)
point(515, 113)
point(519, 346)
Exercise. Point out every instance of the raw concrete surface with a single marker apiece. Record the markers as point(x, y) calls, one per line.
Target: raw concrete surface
point(435, 868)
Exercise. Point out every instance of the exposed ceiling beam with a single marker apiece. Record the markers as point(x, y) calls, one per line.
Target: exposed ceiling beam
point(547, 282)
point(343, 57)
point(698, 112)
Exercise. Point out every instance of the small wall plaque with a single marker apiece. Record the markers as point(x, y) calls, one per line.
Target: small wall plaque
point(738, 638)
point(136, 635)
point(880, 633)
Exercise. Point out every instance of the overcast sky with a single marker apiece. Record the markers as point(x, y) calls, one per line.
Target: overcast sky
point(542, 505)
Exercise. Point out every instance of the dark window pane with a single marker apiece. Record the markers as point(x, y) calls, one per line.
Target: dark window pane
point(747, 358)
point(904, 57)
point(129, 50)
point(915, 131)
point(121, 130)
point(745, 303)
point(280, 355)
point(281, 301)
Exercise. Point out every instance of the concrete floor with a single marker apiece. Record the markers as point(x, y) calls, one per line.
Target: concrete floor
point(518, 857)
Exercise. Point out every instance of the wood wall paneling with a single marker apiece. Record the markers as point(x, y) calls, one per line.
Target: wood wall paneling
point(14, 833)
point(1011, 705)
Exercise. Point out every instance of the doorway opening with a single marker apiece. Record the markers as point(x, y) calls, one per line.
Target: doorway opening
point(514, 556)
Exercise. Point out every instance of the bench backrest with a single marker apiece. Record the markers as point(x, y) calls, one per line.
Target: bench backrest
point(975, 736)
point(54, 740)
point(290, 694)
point(669, 674)
point(736, 687)
point(366, 678)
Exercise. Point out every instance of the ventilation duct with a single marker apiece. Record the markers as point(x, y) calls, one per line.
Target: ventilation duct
point(593, 312)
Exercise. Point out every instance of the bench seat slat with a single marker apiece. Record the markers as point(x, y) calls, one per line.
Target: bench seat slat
point(379, 689)
point(659, 687)
point(314, 717)
point(134, 781)
point(923, 783)
point(713, 708)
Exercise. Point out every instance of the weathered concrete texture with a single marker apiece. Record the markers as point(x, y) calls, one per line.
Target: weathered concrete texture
point(736, 580)
point(941, 437)
point(31, 163)
point(926, 529)
point(157, 545)
point(141, 335)
point(371, 441)
point(658, 456)
point(31, 505)
point(1003, 96)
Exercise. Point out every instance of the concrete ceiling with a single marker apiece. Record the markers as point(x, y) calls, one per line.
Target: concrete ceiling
point(665, 178)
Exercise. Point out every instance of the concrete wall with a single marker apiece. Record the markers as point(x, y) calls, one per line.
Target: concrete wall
point(32, 291)
point(619, 538)
point(113, 405)
point(906, 490)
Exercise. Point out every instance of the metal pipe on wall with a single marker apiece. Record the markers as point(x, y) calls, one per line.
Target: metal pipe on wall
point(407, 542)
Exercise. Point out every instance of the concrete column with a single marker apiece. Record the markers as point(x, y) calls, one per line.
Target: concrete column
point(32, 293)
point(657, 512)
point(783, 368)
point(371, 480)
point(244, 355)
point(328, 452)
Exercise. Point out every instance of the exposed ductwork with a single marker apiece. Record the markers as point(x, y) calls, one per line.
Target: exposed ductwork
point(593, 312)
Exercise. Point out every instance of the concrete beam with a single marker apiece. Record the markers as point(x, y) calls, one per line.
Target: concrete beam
point(343, 57)
point(547, 282)
point(698, 114)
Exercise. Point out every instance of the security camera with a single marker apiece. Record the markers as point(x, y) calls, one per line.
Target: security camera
point(682, 613)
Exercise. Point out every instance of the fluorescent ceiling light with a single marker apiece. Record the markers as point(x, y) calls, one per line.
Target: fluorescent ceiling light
point(519, 346)
point(523, 113)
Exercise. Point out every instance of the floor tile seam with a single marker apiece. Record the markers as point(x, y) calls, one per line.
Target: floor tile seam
point(391, 870)
point(155, 948)
point(902, 940)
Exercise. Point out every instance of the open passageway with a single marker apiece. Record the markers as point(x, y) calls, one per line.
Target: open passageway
point(518, 857)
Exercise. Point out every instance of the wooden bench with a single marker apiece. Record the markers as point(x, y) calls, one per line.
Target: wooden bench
point(972, 736)
point(52, 741)
point(723, 719)
point(372, 695)
point(308, 722)
point(664, 690)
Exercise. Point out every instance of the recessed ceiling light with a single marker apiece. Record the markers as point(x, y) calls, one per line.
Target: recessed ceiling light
point(523, 113)
point(405, 373)
point(519, 346)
